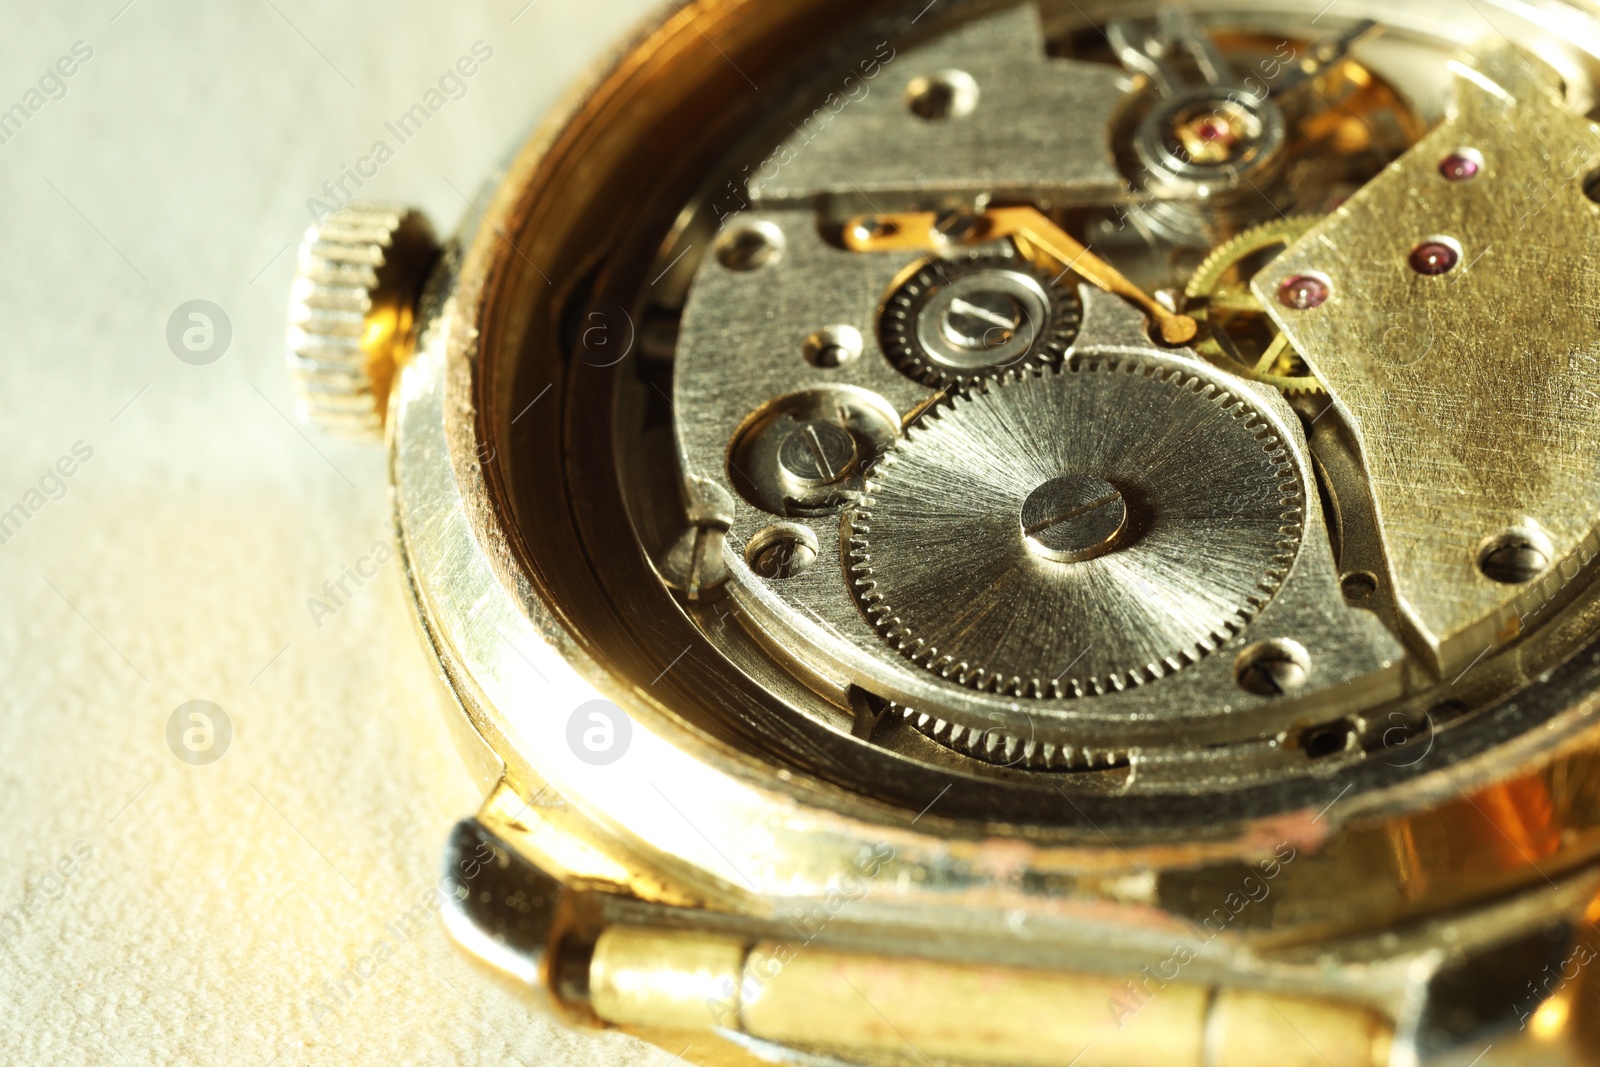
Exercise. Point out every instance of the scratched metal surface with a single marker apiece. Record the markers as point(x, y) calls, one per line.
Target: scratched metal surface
point(249, 910)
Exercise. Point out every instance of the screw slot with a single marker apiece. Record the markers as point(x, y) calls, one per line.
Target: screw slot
point(778, 553)
point(749, 246)
point(1515, 557)
point(833, 346)
point(1074, 518)
point(948, 94)
point(1272, 668)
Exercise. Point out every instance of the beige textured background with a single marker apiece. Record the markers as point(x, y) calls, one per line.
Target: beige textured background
point(221, 902)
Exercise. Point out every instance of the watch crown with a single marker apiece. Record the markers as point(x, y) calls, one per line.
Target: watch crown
point(352, 312)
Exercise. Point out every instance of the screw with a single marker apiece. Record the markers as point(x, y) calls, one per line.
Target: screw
point(749, 246)
point(780, 552)
point(818, 453)
point(693, 563)
point(1514, 559)
point(949, 94)
point(1073, 518)
point(983, 321)
point(833, 346)
point(1272, 668)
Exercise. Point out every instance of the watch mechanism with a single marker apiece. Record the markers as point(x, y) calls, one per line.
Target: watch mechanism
point(1151, 406)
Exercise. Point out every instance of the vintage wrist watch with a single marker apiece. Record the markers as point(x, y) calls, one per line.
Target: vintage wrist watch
point(1043, 533)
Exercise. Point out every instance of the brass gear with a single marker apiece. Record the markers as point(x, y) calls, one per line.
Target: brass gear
point(1236, 333)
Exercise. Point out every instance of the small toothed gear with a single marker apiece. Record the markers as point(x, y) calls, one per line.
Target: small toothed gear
point(998, 748)
point(1236, 332)
point(351, 312)
point(1071, 532)
point(954, 321)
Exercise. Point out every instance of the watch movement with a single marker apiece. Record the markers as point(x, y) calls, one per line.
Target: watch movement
point(1018, 533)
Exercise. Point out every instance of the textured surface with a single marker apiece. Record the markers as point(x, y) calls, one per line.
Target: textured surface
point(223, 904)
point(941, 563)
point(1473, 404)
point(1011, 143)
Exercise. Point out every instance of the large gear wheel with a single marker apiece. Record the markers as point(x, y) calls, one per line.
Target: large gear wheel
point(1236, 332)
point(1075, 531)
point(951, 322)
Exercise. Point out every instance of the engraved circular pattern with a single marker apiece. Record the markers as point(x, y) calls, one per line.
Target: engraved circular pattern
point(1215, 511)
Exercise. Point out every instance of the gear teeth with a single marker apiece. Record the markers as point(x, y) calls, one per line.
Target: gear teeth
point(355, 259)
point(897, 325)
point(916, 648)
point(1000, 749)
point(1209, 277)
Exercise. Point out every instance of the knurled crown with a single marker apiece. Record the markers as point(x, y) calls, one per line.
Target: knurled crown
point(352, 310)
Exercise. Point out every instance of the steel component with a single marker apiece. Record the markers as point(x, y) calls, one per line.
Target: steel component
point(986, 320)
point(1471, 411)
point(1207, 148)
point(1207, 138)
point(805, 454)
point(995, 746)
point(817, 453)
point(693, 563)
point(352, 309)
point(1324, 57)
point(954, 320)
point(1074, 517)
point(1219, 146)
point(974, 112)
point(956, 582)
point(813, 624)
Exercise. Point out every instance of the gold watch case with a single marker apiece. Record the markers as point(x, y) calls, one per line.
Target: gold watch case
point(1402, 905)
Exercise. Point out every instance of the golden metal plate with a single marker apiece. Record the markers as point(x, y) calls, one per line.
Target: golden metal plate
point(1470, 395)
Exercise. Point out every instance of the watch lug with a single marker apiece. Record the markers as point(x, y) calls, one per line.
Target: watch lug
point(513, 918)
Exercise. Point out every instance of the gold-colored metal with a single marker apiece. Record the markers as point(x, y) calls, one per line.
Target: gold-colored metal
point(672, 980)
point(1036, 237)
point(519, 662)
point(525, 632)
point(1247, 1028)
point(1003, 1016)
point(1236, 331)
point(352, 312)
point(1470, 404)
